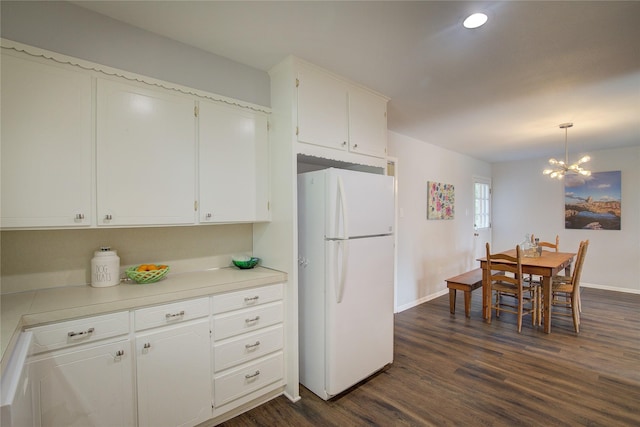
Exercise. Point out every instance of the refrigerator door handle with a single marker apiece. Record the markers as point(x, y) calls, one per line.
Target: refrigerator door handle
point(343, 209)
point(342, 271)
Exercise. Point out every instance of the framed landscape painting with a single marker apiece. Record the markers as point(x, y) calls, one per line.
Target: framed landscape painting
point(593, 202)
point(440, 200)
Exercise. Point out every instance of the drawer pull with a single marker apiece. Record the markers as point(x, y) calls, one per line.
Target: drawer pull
point(255, 319)
point(174, 315)
point(82, 334)
point(146, 345)
point(250, 376)
point(251, 300)
point(252, 346)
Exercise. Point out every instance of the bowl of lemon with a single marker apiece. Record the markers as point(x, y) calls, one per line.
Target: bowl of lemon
point(147, 273)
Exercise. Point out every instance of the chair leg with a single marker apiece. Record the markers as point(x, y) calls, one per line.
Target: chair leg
point(576, 315)
point(539, 291)
point(520, 313)
point(579, 301)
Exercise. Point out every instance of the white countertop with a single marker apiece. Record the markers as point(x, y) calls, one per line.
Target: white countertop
point(27, 309)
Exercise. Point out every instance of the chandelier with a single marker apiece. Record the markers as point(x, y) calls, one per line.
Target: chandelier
point(560, 168)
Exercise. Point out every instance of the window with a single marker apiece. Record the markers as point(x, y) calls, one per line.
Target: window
point(482, 214)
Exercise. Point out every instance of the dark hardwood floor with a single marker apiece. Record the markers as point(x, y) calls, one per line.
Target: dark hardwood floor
point(449, 370)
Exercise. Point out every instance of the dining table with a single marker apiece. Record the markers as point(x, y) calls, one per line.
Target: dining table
point(546, 265)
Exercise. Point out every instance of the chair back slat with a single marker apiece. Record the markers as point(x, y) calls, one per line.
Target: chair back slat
point(577, 272)
point(499, 264)
point(555, 246)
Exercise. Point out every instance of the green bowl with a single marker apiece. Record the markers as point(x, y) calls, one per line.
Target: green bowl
point(144, 277)
point(246, 264)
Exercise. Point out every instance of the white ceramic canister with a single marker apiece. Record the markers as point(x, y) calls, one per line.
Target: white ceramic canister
point(105, 268)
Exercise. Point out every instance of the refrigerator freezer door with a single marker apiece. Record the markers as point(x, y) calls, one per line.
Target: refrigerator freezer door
point(359, 329)
point(358, 204)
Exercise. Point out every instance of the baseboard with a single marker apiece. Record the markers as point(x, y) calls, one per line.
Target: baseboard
point(610, 288)
point(445, 291)
point(422, 300)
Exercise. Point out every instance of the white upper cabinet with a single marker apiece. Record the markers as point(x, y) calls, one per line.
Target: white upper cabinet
point(334, 113)
point(80, 149)
point(46, 145)
point(322, 109)
point(146, 156)
point(233, 164)
point(367, 123)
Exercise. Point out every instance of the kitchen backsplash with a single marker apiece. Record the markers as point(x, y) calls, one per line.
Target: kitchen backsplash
point(40, 259)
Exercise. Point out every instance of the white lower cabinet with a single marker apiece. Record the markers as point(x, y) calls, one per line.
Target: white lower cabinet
point(174, 366)
point(158, 366)
point(85, 382)
point(248, 340)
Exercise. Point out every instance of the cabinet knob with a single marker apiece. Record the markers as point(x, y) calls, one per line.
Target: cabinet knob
point(81, 334)
point(108, 217)
point(146, 345)
point(252, 346)
point(169, 316)
point(344, 143)
point(355, 145)
point(79, 216)
point(208, 215)
point(250, 376)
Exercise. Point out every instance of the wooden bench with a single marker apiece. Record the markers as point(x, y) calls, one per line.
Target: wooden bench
point(465, 282)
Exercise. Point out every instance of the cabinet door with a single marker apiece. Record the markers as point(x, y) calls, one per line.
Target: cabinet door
point(174, 375)
point(46, 145)
point(87, 387)
point(233, 164)
point(322, 109)
point(367, 123)
point(145, 156)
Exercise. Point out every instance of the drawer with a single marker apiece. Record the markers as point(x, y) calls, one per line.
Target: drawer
point(237, 382)
point(246, 347)
point(169, 314)
point(238, 322)
point(246, 298)
point(80, 331)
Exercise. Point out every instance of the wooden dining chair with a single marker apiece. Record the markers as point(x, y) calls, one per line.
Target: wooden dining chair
point(569, 288)
point(505, 279)
point(555, 246)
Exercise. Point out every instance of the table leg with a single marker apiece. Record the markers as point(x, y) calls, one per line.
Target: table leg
point(467, 303)
point(546, 301)
point(452, 301)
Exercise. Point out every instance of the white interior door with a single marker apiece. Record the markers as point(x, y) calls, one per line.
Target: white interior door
point(481, 215)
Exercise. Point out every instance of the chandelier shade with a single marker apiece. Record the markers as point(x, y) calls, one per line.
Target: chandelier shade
point(560, 168)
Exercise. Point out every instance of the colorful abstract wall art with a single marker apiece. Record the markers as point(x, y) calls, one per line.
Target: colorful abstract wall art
point(440, 200)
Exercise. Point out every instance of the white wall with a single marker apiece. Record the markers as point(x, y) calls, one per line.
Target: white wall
point(72, 30)
point(41, 259)
point(430, 251)
point(525, 201)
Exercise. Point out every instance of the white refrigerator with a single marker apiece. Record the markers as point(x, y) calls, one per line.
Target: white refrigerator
point(345, 277)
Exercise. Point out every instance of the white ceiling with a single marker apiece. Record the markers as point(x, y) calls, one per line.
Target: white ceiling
point(496, 93)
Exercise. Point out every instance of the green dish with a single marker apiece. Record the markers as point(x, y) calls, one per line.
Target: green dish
point(246, 264)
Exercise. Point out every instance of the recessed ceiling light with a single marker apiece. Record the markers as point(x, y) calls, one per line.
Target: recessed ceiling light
point(474, 21)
